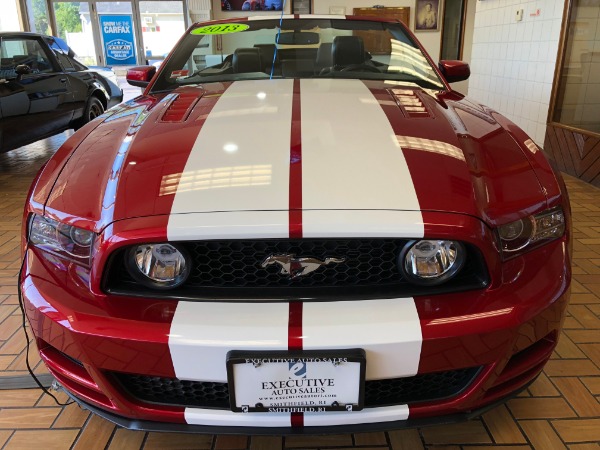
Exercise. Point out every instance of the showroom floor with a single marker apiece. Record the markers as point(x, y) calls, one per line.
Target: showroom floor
point(560, 410)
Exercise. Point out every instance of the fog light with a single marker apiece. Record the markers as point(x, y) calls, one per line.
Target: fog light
point(431, 262)
point(159, 266)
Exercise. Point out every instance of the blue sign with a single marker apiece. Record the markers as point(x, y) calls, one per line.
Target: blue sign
point(117, 35)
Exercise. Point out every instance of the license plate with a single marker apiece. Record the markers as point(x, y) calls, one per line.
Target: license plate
point(304, 381)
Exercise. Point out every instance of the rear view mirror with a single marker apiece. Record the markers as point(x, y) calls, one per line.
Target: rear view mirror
point(297, 38)
point(454, 71)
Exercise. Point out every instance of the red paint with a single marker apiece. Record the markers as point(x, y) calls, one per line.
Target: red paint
point(124, 162)
point(180, 108)
point(141, 73)
point(295, 343)
point(297, 420)
point(295, 217)
point(468, 181)
point(454, 70)
point(295, 213)
point(295, 326)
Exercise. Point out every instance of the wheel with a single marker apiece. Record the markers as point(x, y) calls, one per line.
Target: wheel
point(93, 109)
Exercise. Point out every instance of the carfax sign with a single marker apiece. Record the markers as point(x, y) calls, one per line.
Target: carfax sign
point(117, 35)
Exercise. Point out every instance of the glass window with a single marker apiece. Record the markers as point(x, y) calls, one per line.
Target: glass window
point(163, 23)
point(305, 48)
point(39, 17)
point(453, 29)
point(74, 25)
point(578, 94)
point(64, 61)
point(18, 51)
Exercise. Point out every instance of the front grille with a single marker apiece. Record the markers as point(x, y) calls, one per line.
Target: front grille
point(232, 269)
point(396, 391)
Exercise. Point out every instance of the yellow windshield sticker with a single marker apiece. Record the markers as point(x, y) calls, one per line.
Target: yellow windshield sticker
point(223, 28)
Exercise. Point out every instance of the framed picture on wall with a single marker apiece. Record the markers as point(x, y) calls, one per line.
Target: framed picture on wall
point(251, 5)
point(337, 10)
point(301, 6)
point(428, 14)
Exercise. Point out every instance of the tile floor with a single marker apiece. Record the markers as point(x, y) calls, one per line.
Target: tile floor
point(560, 410)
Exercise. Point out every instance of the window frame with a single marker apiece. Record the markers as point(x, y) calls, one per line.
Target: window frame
point(463, 21)
point(50, 58)
point(558, 69)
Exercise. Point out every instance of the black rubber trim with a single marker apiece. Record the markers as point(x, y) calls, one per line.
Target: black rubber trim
point(147, 425)
point(122, 382)
point(25, 381)
point(114, 284)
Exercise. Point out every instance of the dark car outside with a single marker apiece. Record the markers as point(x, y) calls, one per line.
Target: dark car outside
point(44, 90)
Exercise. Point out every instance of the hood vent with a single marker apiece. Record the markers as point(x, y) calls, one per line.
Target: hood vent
point(410, 103)
point(180, 107)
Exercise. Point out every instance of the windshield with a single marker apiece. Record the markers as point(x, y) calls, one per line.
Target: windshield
point(300, 48)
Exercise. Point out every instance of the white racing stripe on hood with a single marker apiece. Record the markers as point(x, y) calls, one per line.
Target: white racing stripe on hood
point(240, 160)
point(351, 158)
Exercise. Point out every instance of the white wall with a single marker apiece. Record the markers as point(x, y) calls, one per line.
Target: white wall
point(429, 39)
point(9, 19)
point(512, 63)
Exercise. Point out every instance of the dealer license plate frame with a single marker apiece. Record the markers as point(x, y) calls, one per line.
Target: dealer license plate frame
point(355, 355)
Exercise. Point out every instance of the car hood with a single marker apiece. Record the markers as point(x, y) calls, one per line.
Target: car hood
point(312, 145)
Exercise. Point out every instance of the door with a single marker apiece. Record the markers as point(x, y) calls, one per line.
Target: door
point(35, 98)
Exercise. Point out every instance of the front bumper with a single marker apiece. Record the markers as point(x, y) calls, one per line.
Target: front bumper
point(509, 330)
point(148, 425)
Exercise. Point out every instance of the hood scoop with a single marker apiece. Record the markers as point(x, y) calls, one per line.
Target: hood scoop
point(410, 103)
point(180, 107)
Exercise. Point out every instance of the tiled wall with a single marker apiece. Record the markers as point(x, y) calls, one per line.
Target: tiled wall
point(513, 63)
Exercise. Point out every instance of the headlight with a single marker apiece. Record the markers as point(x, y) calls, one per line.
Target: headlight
point(431, 262)
point(531, 231)
point(66, 241)
point(159, 266)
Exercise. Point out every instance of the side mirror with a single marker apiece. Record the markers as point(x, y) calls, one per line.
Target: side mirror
point(140, 76)
point(454, 71)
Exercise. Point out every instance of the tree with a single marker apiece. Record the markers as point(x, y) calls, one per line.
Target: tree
point(67, 18)
point(40, 16)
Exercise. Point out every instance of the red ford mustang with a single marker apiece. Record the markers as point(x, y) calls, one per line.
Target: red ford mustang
point(298, 227)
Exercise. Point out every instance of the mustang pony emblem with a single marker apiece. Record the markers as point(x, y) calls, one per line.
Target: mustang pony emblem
point(298, 267)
